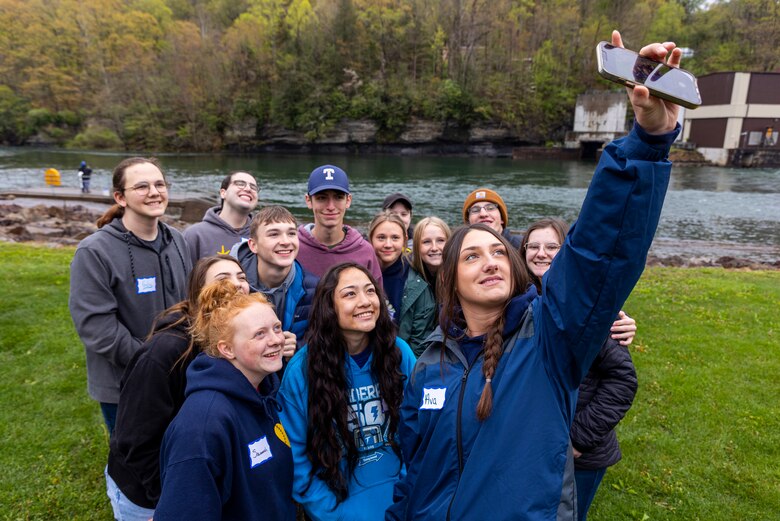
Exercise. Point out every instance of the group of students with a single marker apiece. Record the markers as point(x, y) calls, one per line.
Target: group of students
point(438, 385)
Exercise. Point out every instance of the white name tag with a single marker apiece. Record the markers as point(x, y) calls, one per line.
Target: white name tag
point(146, 285)
point(259, 452)
point(433, 398)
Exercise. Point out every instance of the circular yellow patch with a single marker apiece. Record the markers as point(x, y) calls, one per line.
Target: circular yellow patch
point(281, 434)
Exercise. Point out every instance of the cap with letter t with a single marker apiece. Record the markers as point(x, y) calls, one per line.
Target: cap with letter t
point(328, 177)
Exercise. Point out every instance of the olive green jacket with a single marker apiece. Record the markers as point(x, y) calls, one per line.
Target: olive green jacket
point(418, 312)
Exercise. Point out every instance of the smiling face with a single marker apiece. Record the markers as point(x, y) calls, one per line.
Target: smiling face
point(356, 303)
point(490, 217)
point(483, 281)
point(542, 247)
point(228, 270)
point(329, 207)
point(388, 242)
point(432, 246)
point(240, 199)
point(275, 244)
point(255, 348)
point(149, 206)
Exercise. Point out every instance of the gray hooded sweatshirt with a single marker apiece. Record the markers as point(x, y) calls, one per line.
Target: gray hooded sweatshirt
point(118, 285)
point(213, 235)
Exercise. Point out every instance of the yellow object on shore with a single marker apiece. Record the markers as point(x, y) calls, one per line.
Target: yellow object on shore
point(52, 177)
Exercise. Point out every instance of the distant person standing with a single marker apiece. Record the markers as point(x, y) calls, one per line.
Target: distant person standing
point(224, 225)
point(85, 175)
point(123, 275)
point(328, 241)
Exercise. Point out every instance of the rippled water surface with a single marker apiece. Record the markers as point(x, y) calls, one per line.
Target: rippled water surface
point(709, 211)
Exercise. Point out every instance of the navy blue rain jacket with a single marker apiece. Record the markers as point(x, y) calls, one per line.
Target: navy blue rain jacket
point(517, 464)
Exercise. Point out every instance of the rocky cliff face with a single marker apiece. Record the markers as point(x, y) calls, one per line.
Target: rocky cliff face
point(419, 136)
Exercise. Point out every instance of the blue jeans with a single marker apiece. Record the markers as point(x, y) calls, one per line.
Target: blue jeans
point(109, 416)
point(588, 482)
point(124, 509)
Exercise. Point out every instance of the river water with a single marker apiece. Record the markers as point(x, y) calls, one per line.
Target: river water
point(709, 211)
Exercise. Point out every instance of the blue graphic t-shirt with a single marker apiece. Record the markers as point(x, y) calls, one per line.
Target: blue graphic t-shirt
point(378, 468)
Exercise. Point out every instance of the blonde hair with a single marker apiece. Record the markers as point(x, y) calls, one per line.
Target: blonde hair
point(218, 304)
point(419, 228)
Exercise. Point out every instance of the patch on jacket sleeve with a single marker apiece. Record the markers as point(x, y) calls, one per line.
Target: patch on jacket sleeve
point(259, 452)
point(433, 397)
point(146, 285)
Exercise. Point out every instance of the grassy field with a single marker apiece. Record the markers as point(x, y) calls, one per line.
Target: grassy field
point(702, 441)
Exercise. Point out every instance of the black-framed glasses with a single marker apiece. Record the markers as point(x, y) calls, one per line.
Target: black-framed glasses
point(142, 189)
point(490, 207)
point(549, 247)
point(241, 185)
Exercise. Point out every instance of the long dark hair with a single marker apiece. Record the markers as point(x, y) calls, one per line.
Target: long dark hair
point(118, 185)
point(185, 311)
point(559, 227)
point(451, 314)
point(328, 434)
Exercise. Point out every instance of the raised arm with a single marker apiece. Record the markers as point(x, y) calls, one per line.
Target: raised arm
point(605, 251)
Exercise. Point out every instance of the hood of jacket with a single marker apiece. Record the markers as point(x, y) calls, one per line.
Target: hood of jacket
point(212, 217)
point(515, 310)
point(248, 260)
point(352, 242)
point(117, 229)
point(207, 373)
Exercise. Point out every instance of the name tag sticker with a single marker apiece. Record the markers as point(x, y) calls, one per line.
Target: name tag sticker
point(433, 398)
point(146, 285)
point(259, 452)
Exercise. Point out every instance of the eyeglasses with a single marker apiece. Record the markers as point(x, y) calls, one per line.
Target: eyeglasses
point(549, 247)
point(241, 185)
point(490, 207)
point(142, 189)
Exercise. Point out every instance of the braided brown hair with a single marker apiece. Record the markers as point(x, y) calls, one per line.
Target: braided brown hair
point(451, 314)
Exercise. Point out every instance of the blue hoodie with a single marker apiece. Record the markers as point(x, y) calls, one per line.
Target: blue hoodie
point(517, 463)
point(378, 468)
point(225, 455)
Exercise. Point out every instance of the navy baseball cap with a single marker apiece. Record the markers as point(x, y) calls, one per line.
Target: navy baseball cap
point(328, 177)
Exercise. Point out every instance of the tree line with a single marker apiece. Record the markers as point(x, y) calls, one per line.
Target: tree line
point(180, 74)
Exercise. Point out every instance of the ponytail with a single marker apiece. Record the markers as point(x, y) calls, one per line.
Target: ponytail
point(494, 348)
point(111, 214)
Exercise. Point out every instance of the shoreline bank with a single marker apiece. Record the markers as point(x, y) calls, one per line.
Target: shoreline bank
point(25, 220)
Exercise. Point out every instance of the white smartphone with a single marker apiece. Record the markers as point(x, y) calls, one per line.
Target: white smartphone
point(630, 69)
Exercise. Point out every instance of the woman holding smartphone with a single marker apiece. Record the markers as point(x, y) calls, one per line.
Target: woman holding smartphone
point(486, 416)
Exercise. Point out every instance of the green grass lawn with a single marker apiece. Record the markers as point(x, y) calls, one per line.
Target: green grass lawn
point(701, 442)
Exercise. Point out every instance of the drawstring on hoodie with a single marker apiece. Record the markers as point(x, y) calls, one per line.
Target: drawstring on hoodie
point(126, 237)
point(269, 404)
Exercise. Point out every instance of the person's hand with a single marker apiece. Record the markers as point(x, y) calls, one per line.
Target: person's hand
point(288, 350)
point(654, 115)
point(623, 329)
point(577, 453)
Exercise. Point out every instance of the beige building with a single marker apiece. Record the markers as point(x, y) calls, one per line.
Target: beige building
point(739, 119)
